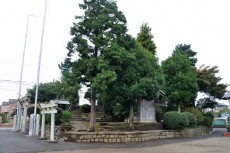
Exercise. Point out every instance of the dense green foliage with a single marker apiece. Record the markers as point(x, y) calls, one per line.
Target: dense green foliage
point(207, 121)
point(85, 108)
point(228, 127)
point(208, 102)
point(175, 120)
point(54, 90)
point(192, 119)
point(196, 112)
point(186, 50)
point(209, 83)
point(209, 114)
point(180, 80)
point(66, 116)
point(144, 37)
point(3, 117)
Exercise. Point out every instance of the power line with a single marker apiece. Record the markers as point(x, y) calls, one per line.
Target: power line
point(13, 81)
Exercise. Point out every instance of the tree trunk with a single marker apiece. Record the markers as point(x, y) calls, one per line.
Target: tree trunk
point(92, 115)
point(131, 116)
point(178, 108)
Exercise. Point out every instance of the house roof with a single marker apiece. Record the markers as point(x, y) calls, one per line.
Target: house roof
point(226, 96)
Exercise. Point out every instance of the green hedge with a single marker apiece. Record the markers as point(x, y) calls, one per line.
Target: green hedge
point(196, 112)
point(192, 119)
point(207, 121)
point(3, 118)
point(175, 120)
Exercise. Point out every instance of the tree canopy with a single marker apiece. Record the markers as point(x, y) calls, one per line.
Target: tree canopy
point(145, 38)
point(180, 80)
point(186, 50)
point(209, 82)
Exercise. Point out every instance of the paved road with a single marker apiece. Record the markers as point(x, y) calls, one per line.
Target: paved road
point(13, 142)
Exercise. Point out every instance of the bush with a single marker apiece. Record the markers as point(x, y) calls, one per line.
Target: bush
point(207, 121)
point(209, 114)
point(196, 112)
point(86, 108)
point(228, 127)
point(175, 120)
point(192, 119)
point(159, 114)
point(3, 118)
point(66, 116)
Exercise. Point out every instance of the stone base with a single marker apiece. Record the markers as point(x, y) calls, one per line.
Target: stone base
point(42, 138)
point(52, 141)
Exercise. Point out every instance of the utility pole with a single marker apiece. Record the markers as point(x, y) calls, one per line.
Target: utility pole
point(39, 65)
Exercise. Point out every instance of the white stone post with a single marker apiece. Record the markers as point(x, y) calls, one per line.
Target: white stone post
point(24, 118)
point(31, 124)
point(18, 118)
point(43, 126)
point(52, 126)
point(37, 125)
point(15, 123)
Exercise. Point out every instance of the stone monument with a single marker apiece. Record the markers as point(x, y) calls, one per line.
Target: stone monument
point(147, 111)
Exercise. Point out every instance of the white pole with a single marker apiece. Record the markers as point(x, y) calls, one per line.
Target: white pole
point(20, 85)
point(24, 118)
point(31, 124)
point(52, 126)
point(39, 65)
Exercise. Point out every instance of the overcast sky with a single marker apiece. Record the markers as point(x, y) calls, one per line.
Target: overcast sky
point(204, 24)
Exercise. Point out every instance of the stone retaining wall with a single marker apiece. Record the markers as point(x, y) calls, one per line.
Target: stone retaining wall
point(127, 137)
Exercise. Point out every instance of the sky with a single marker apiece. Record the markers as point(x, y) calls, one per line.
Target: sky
point(204, 24)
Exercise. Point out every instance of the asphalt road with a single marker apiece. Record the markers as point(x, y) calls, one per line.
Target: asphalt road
point(13, 142)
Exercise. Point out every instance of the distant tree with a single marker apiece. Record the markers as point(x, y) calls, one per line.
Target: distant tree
point(186, 49)
point(207, 102)
point(145, 38)
point(101, 25)
point(180, 80)
point(46, 92)
point(209, 83)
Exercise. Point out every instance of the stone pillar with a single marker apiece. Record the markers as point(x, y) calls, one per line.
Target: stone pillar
point(24, 118)
point(0, 120)
point(37, 125)
point(15, 123)
point(43, 126)
point(52, 126)
point(18, 118)
point(31, 124)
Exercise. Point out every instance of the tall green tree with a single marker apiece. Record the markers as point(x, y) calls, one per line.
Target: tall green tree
point(92, 33)
point(180, 80)
point(138, 77)
point(186, 50)
point(145, 38)
point(209, 82)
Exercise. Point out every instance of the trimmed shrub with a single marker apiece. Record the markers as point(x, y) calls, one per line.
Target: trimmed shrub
point(192, 119)
point(159, 114)
point(86, 108)
point(66, 117)
point(196, 112)
point(3, 118)
point(175, 120)
point(228, 127)
point(207, 121)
